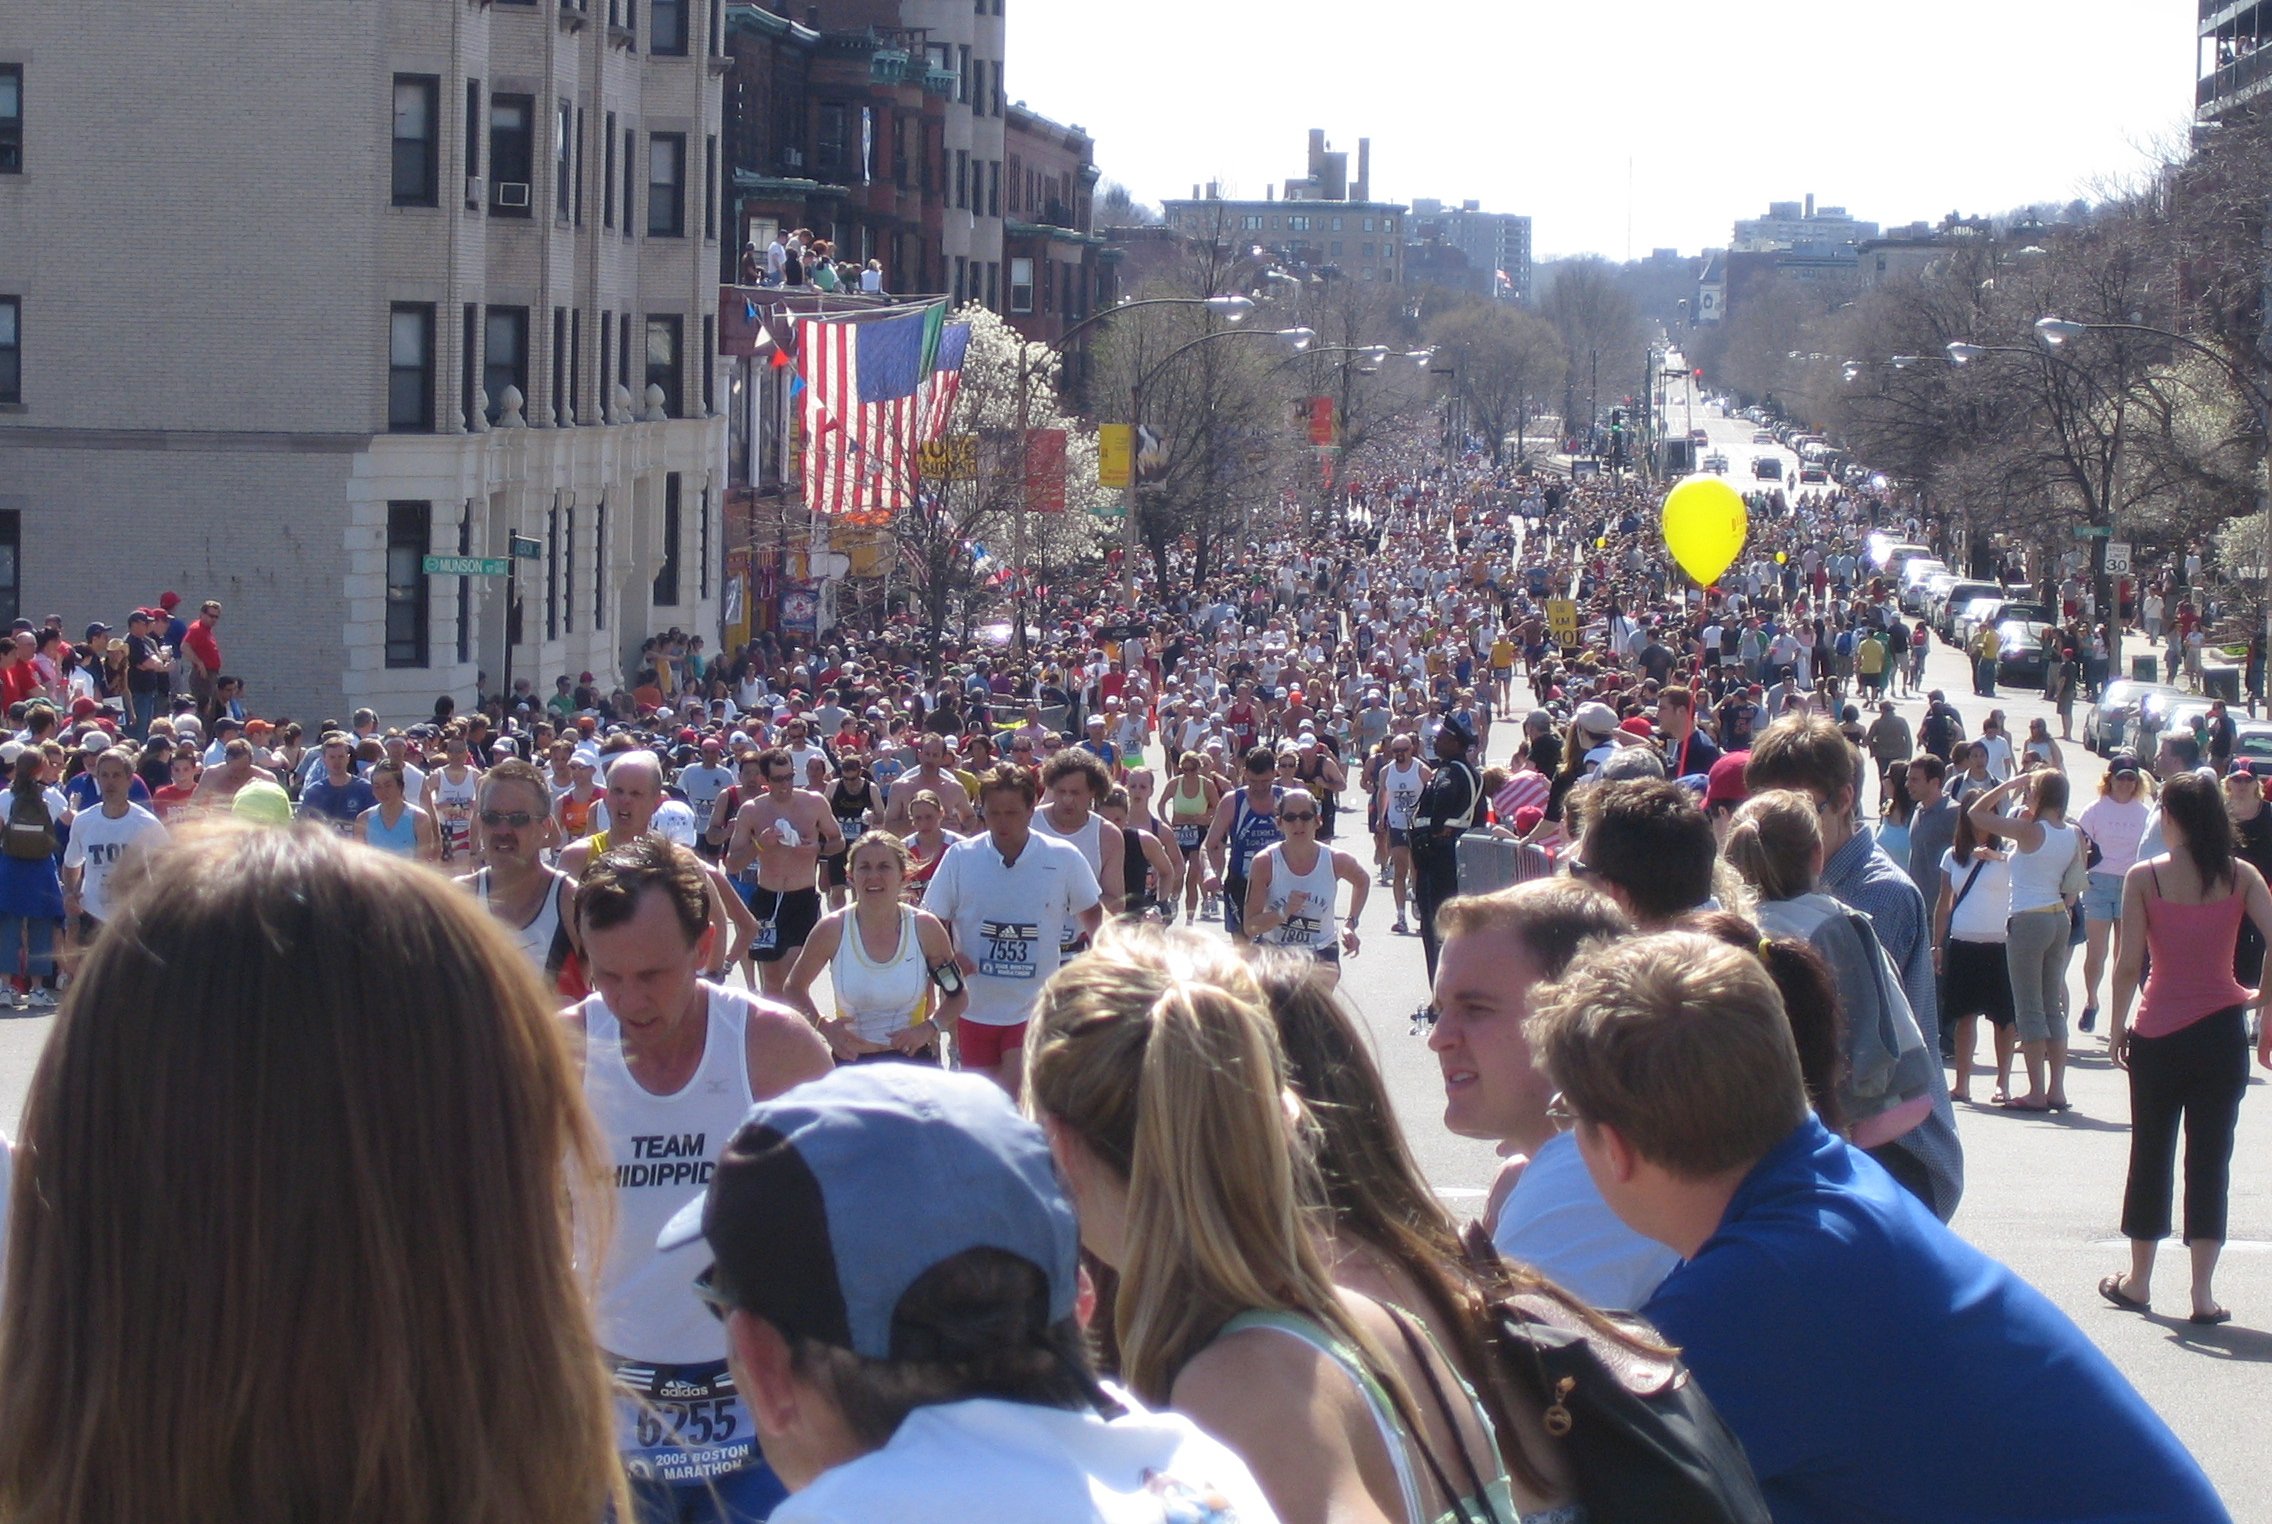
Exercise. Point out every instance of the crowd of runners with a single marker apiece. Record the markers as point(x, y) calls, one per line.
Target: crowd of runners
point(959, 1115)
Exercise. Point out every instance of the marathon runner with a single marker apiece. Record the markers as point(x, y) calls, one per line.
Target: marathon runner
point(634, 794)
point(671, 1063)
point(782, 834)
point(535, 904)
point(1076, 782)
point(450, 795)
point(1399, 781)
point(1290, 890)
point(1245, 822)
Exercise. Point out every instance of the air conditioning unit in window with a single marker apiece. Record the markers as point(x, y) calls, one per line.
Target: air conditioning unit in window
point(473, 190)
point(793, 158)
point(512, 193)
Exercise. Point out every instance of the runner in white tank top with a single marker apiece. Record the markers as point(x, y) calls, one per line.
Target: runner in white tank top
point(898, 988)
point(537, 939)
point(1073, 780)
point(1293, 908)
point(671, 1064)
point(880, 996)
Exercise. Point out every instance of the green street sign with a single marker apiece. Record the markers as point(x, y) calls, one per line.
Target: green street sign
point(528, 549)
point(465, 566)
point(2096, 532)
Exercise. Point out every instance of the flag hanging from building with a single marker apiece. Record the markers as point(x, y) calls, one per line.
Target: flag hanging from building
point(865, 408)
point(945, 380)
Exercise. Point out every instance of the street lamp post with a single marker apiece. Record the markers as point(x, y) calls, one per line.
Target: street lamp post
point(2054, 331)
point(1231, 309)
point(1296, 338)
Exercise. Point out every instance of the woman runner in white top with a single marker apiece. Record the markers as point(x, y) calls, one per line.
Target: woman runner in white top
point(891, 965)
point(1290, 888)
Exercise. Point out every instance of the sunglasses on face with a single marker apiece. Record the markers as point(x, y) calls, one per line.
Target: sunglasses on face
point(519, 820)
point(1297, 815)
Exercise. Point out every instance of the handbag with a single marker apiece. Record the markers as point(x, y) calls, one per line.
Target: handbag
point(1640, 1438)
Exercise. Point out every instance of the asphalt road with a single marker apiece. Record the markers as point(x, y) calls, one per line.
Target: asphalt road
point(2043, 1194)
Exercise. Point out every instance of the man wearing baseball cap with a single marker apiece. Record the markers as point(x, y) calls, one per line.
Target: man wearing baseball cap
point(896, 1265)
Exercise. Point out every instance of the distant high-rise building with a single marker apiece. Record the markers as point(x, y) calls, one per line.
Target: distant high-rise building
point(2235, 64)
point(1492, 249)
point(296, 297)
point(1799, 225)
point(1327, 223)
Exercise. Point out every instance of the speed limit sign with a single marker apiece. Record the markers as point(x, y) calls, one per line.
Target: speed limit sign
point(2118, 556)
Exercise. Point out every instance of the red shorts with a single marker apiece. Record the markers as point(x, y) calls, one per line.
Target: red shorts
point(980, 1046)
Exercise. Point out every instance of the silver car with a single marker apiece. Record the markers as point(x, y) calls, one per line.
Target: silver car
point(2113, 724)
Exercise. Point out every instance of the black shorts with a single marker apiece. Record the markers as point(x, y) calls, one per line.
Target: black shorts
point(1234, 903)
point(1398, 838)
point(785, 919)
point(1975, 981)
point(834, 868)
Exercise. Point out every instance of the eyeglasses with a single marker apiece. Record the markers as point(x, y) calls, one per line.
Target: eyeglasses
point(779, 777)
point(707, 1293)
point(519, 820)
point(1559, 1113)
point(1297, 815)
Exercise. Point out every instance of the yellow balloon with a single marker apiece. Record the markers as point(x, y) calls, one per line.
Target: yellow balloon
point(1780, 558)
point(1602, 542)
point(1705, 525)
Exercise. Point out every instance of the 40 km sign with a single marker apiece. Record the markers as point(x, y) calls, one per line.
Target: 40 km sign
point(1562, 620)
point(466, 566)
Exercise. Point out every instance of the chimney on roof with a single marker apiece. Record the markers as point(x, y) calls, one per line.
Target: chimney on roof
point(1317, 152)
point(1810, 206)
point(1364, 190)
point(1195, 192)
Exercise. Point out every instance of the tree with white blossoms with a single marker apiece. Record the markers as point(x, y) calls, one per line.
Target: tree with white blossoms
point(940, 540)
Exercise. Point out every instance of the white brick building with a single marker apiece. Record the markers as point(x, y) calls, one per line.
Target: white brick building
point(259, 265)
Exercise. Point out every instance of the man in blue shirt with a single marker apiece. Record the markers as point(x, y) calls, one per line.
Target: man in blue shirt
point(338, 797)
point(1875, 1366)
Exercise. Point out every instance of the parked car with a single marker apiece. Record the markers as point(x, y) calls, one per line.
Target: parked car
point(2163, 710)
point(1889, 554)
point(2024, 654)
point(1952, 602)
point(1812, 474)
point(1763, 437)
point(1914, 576)
point(2253, 739)
point(1768, 468)
point(2113, 722)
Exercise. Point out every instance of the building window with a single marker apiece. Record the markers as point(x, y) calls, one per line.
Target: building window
point(472, 136)
point(417, 141)
point(11, 349)
point(512, 153)
point(599, 569)
point(409, 526)
point(666, 28)
point(666, 185)
point(709, 365)
point(575, 365)
point(994, 285)
point(568, 572)
point(663, 338)
point(583, 162)
point(962, 75)
point(832, 139)
point(1297, 224)
point(11, 119)
point(1021, 285)
point(1251, 223)
point(607, 174)
point(505, 356)
point(623, 358)
point(702, 560)
point(563, 163)
point(469, 354)
point(630, 172)
point(410, 368)
point(1337, 224)
point(994, 189)
point(560, 367)
point(710, 188)
point(1365, 250)
point(962, 179)
point(607, 358)
point(666, 575)
point(552, 572)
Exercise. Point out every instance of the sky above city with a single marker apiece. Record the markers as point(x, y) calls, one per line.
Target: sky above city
point(1895, 112)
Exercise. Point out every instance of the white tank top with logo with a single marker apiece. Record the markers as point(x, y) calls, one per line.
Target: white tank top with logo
point(1403, 786)
point(453, 809)
point(661, 1150)
point(1314, 926)
point(881, 997)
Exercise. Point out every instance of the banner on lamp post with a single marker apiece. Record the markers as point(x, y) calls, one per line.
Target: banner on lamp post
point(1322, 430)
point(1045, 470)
point(1116, 454)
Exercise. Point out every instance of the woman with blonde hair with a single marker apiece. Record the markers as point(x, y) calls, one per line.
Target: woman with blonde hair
point(299, 1236)
point(1155, 1069)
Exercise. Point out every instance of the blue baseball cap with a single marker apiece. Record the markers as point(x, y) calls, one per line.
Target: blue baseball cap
point(831, 1200)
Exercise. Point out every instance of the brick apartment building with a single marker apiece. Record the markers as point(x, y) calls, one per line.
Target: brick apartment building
point(1327, 221)
point(270, 278)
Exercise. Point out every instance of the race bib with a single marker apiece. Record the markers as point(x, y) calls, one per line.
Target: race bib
point(681, 1423)
point(768, 937)
point(1300, 931)
point(1006, 948)
point(1188, 837)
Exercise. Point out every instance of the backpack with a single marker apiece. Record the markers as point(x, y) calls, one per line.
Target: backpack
point(1641, 1439)
point(30, 833)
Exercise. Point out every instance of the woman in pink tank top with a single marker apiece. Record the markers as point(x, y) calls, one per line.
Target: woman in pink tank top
point(2187, 1054)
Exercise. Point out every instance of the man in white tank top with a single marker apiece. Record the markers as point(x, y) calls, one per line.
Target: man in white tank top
point(671, 1064)
point(1076, 782)
point(1401, 781)
point(535, 904)
point(1290, 889)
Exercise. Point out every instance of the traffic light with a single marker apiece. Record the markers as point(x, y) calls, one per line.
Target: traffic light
point(1616, 418)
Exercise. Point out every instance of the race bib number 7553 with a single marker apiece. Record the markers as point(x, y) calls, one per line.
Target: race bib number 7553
point(1006, 949)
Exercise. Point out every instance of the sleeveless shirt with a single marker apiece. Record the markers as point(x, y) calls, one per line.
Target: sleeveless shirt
point(881, 997)
point(1314, 926)
point(401, 838)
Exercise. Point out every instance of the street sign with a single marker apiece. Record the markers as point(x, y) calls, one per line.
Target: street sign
point(2096, 532)
point(528, 549)
point(466, 566)
point(1562, 620)
point(2118, 556)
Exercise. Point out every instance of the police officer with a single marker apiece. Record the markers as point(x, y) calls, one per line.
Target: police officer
point(1447, 807)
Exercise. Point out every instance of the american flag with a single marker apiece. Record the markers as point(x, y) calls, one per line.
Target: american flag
point(870, 399)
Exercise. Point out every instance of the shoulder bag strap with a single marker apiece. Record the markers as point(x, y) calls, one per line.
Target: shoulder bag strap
point(1421, 1347)
point(1967, 889)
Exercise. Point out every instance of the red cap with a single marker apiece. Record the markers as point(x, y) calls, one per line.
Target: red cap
point(1527, 819)
point(82, 707)
point(1640, 727)
point(1724, 783)
point(587, 677)
point(689, 735)
point(168, 600)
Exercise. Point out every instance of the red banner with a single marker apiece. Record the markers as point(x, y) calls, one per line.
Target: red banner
point(1322, 431)
point(1045, 470)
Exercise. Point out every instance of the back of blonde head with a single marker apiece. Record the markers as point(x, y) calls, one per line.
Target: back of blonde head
point(1156, 1049)
point(1775, 844)
point(295, 1210)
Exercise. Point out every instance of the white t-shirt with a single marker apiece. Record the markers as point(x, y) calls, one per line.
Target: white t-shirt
point(97, 843)
point(1555, 1219)
point(1987, 906)
point(703, 785)
point(1011, 921)
point(1020, 1463)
